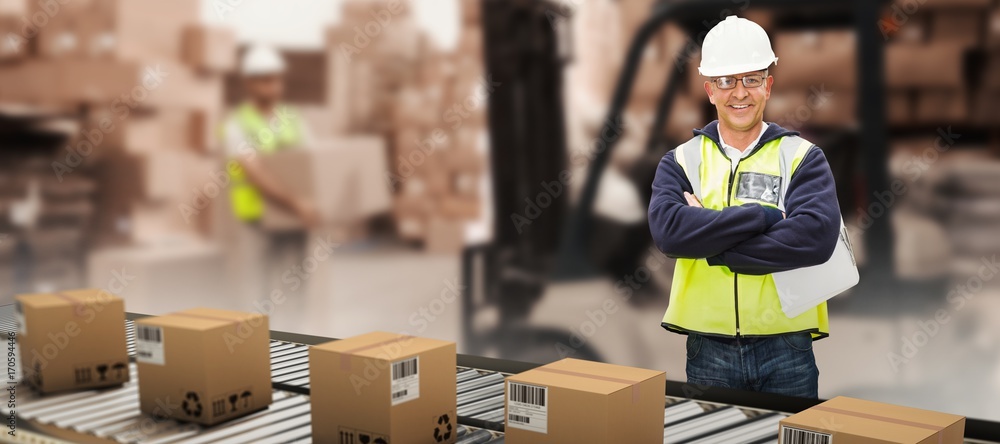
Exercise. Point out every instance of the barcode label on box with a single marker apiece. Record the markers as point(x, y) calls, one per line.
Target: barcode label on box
point(791, 435)
point(519, 418)
point(149, 344)
point(405, 384)
point(528, 407)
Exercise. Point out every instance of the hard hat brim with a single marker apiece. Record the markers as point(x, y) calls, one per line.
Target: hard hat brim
point(735, 69)
point(263, 73)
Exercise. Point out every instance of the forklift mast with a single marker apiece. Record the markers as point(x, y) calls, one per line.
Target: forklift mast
point(524, 56)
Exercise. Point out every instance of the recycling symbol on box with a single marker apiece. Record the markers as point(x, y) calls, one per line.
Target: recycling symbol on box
point(442, 432)
point(191, 404)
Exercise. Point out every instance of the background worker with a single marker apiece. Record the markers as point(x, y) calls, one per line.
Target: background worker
point(260, 126)
point(715, 207)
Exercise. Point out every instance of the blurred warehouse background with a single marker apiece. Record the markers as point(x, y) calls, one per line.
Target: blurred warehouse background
point(440, 125)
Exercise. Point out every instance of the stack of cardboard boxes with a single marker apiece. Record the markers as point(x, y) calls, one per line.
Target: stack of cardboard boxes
point(668, 54)
point(444, 190)
point(371, 53)
point(591, 74)
point(146, 84)
point(815, 79)
point(986, 105)
point(926, 69)
point(388, 79)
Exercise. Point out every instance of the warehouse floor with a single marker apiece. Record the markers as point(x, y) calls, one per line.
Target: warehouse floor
point(400, 290)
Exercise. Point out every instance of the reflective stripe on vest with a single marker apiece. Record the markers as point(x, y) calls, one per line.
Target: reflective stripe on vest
point(246, 201)
point(703, 298)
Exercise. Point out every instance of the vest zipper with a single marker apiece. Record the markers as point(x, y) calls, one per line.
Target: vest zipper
point(736, 287)
point(736, 299)
point(729, 196)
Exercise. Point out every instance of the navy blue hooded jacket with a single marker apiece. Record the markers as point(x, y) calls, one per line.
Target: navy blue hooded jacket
point(749, 239)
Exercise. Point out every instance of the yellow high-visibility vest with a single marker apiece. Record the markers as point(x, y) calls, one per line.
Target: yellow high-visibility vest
point(265, 137)
point(713, 300)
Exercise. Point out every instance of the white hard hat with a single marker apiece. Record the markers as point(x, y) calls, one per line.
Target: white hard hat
point(262, 60)
point(734, 46)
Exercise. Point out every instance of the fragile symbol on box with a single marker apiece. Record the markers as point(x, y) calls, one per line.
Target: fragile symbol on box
point(245, 400)
point(120, 370)
point(354, 436)
point(86, 373)
point(236, 401)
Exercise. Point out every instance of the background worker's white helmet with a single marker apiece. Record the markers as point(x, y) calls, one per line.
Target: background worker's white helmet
point(262, 61)
point(734, 46)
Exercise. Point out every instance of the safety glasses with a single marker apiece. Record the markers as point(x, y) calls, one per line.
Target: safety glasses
point(749, 81)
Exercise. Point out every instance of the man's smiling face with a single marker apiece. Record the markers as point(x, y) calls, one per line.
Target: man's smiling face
point(740, 108)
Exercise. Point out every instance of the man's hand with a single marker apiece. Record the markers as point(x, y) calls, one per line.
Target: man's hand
point(307, 213)
point(693, 200)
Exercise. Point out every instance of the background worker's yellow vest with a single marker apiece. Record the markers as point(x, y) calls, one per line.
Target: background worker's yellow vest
point(713, 300)
point(246, 201)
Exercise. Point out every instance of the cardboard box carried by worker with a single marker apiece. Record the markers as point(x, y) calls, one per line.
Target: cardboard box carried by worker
point(72, 340)
point(572, 400)
point(846, 420)
point(203, 365)
point(342, 177)
point(383, 387)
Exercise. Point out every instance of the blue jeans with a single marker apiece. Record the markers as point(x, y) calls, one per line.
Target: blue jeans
point(782, 364)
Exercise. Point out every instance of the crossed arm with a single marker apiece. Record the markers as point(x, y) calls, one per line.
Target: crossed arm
point(751, 238)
